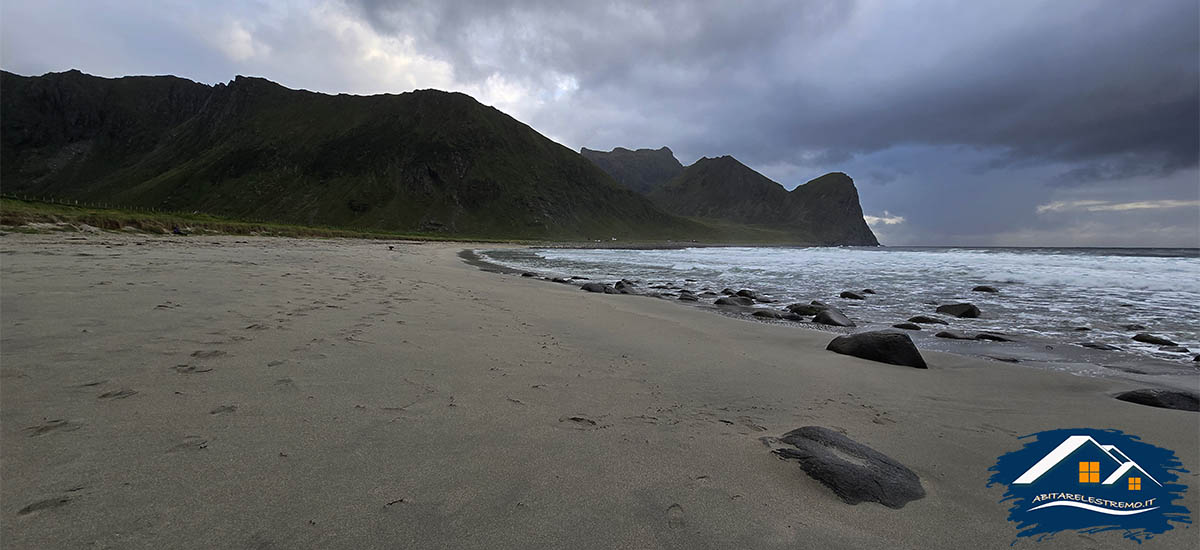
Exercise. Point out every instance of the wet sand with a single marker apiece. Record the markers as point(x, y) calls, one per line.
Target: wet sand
point(206, 392)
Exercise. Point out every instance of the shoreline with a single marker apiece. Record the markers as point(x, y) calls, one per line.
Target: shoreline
point(1150, 371)
point(273, 392)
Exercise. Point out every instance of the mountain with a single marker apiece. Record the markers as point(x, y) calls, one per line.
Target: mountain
point(825, 210)
point(427, 160)
point(643, 170)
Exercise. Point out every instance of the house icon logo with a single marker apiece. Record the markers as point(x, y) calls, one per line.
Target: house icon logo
point(1091, 481)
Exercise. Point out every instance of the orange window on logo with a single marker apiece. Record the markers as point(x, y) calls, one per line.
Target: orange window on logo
point(1135, 484)
point(1089, 472)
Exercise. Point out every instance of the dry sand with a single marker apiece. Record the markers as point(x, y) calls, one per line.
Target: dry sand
point(213, 392)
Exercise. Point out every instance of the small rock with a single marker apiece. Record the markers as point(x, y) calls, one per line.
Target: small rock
point(1166, 399)
point(959, 310)
point(907, 326)
point(688, 297)
point(833, 317)
point(1099, 346)
point(593, 287)
point(728, 292)
point(748, 294)
point(984, 288)
point(868, 291)
point(1174, 349)
point(805, 309)
point(528, 274)
point(1134, 327)
point(1082, 329)
point(767, 314)
point(851, 295)
point(883, 346)
point(1152, 339)
point(925, 319)
point(734, 301)
point(853, 471)
point(954, 335)
point(992, 337)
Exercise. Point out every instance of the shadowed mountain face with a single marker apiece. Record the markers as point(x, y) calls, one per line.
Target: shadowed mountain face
point(420, 161)
point(825, 210)
point(643, 170)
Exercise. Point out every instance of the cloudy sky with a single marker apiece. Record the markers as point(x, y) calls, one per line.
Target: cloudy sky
point(1004, 122)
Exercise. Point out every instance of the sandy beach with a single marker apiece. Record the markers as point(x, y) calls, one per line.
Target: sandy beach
point(230, 392)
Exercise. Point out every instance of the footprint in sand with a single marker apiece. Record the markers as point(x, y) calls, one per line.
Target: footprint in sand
point(117, 394)
point(53, 426)
point(579, 423)
point(190, 369)
point(47, 504)
point(209, 354)
point(285, 384)
point(190, 443)
point(223, 409)
point(675, 519)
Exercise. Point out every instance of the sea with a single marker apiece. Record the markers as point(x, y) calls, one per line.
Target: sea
point(1050, 300)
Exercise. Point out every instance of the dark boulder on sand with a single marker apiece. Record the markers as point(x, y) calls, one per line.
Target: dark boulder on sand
point(851, 295)
point(1152, 339)
point(728, 292)
point(984, 288)
point(734, 301)
point(853, 471)
point(1166, 399)
point(528, 274)
point(832, 317)
point(688, 297)
point(925, 319)
point(954, 335)
point(883, 346)
point(806, 309)
point(959, 310)
point(748, 294)
point(907, 326)
point(767, 314)
point(593, 287)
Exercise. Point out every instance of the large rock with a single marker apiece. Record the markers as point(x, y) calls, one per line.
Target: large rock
point(1152, 339)
point(883, 346)
point(833, 317)
point(853, 471)
point(767, 314)
point(734, 301)
point(592, 287)
point(851, 295)
point(927, 320)
point(959, 310)
point(1166, 399)
point(984, 288)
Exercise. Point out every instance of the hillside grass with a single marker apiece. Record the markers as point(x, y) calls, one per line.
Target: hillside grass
point(24, 216)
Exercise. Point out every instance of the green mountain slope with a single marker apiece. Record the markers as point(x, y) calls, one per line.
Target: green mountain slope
point(643, 170)
point(825, 210)
point(426, 161)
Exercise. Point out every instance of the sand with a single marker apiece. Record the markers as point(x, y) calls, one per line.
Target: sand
point(221, 392)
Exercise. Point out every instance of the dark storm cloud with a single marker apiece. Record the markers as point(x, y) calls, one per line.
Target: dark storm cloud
point(1107, 83)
